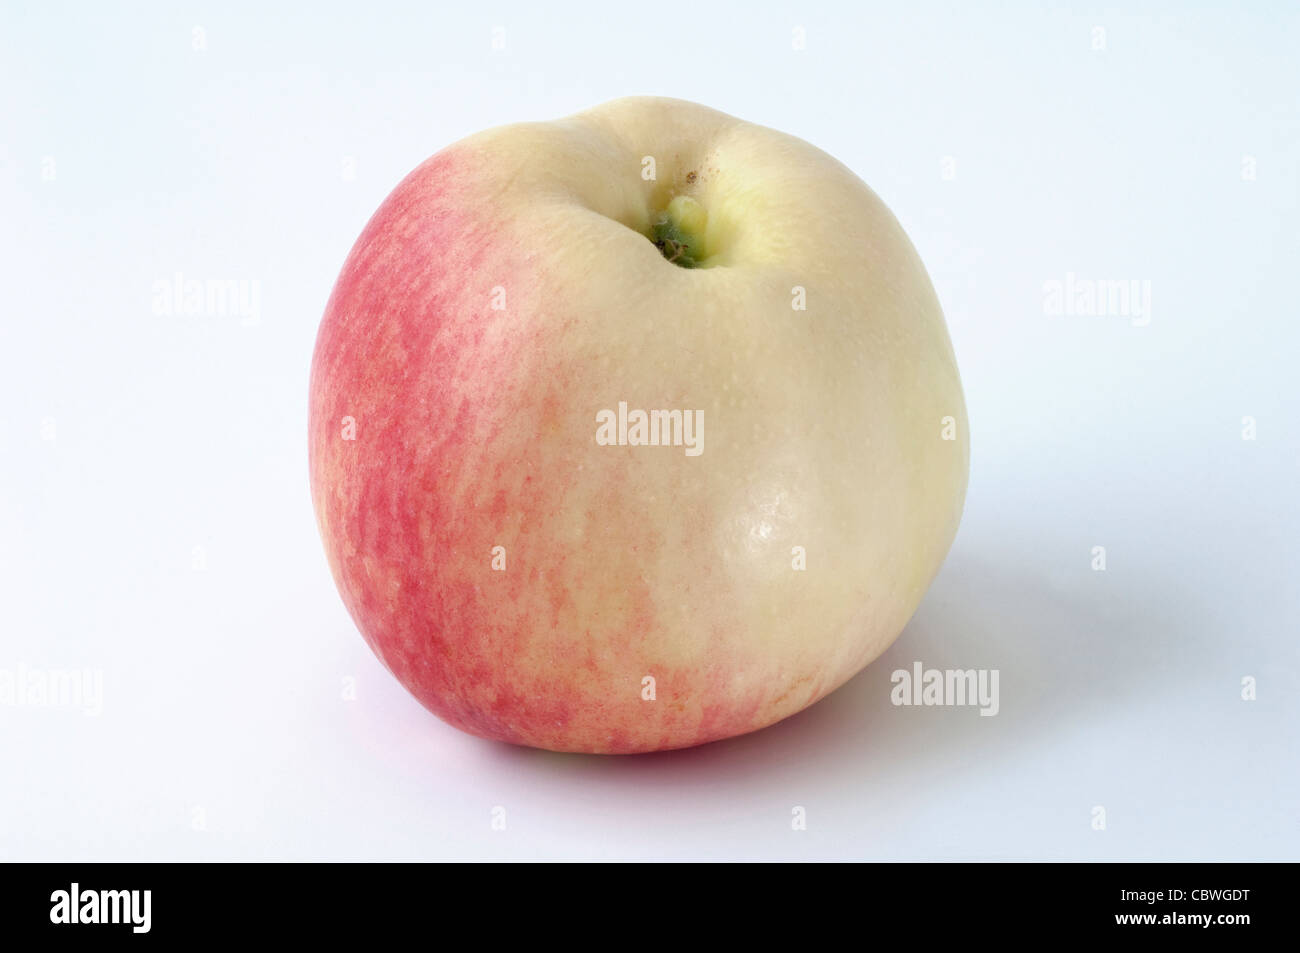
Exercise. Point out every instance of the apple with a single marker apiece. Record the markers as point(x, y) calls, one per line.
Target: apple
point(634, 430)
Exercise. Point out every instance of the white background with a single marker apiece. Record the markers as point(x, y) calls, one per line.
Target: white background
point(129, 438)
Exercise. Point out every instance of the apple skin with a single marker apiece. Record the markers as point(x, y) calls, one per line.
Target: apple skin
point(506, 292)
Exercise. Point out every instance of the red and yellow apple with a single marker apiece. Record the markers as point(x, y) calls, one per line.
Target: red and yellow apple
point(504, 533)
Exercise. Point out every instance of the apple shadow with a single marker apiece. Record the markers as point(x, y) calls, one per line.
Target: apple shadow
point(1063, 648)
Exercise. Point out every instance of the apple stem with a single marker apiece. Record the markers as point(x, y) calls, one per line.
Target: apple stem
point(679, 232)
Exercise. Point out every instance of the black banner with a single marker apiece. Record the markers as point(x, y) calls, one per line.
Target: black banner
point(139, 902)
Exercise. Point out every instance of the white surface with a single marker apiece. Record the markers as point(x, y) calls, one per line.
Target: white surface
point(224, 732)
